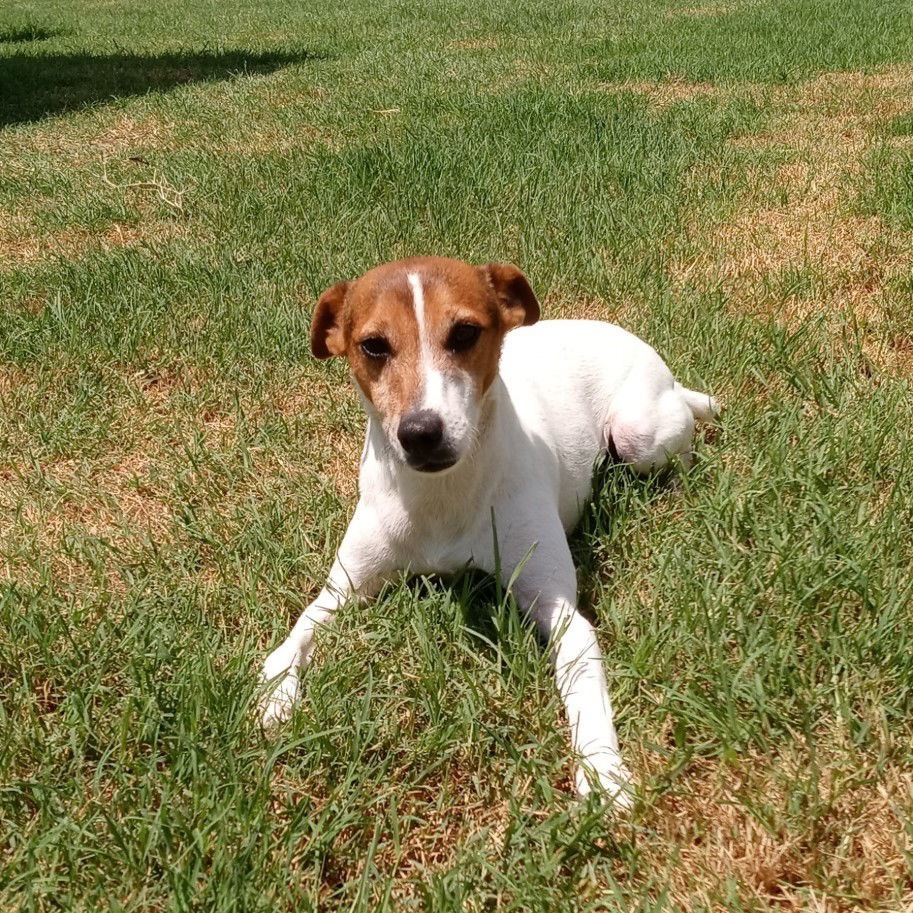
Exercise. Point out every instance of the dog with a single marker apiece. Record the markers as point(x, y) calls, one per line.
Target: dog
point(484, 426)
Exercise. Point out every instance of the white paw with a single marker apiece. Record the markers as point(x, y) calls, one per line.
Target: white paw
point(281, 672)
point(606, 775)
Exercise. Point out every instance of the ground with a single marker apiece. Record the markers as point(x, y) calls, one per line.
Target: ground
point(179, 179)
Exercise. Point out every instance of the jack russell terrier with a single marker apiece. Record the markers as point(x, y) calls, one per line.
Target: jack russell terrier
point(483, 431)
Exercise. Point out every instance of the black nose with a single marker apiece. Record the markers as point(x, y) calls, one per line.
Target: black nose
point(421, 433)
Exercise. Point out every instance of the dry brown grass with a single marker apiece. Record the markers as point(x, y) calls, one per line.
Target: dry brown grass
point(624, 310)
point(428, 847)
point(123, 141)
point(842, 847)
point(474, 44)
point(263, 137)
point(766, 830)
point(336, 451)
point(797, 216)
point(127, 497)
point(121, 502)
point(65, 143)
point(122, 498)
point(702, 10)
point(668, 92)
point(11, 378)
point(24, 249)
point(435, 820)
point(126, 135)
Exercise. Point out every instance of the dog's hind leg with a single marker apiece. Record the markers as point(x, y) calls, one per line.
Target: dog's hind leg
point(646, 432)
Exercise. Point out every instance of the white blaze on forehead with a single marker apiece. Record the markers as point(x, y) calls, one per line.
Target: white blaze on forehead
point(432, 381)
point(451, 394)
point(418, 305)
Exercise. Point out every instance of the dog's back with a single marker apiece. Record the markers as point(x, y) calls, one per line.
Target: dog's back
point(581, 387)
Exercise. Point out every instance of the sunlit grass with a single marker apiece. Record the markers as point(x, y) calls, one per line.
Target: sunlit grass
point(178, 181)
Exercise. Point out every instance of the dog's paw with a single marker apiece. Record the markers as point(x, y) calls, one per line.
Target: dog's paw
point(280, 674)
point(605, 775)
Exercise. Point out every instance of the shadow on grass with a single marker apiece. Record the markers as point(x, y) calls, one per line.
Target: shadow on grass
point(33, 86)
point(19, 34)
point(620, 496)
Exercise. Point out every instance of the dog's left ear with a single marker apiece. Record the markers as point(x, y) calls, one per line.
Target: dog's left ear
point(327, 332)
point(517, 301)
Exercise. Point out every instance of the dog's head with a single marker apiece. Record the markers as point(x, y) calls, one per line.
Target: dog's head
point(423, 338)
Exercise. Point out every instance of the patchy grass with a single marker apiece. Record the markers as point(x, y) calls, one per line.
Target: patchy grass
point(796, 240)
point(733, 181)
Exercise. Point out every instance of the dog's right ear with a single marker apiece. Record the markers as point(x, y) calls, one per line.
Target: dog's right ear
point(327, 330)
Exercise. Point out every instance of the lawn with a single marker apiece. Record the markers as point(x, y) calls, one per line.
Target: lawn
point(179, 179)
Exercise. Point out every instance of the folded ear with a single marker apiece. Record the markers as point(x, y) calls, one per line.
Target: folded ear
point(327, 330)
point(517, 301)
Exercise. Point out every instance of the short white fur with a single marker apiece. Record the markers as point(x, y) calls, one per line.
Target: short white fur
point(565, 390)
point(418, 306)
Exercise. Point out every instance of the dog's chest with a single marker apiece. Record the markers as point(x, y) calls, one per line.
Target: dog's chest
point(440, 535)
point(445, 556)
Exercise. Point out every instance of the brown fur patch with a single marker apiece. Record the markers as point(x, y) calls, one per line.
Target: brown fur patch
point(380, 305)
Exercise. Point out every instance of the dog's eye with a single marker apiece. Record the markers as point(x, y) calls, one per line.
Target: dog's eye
point(463, 337)
point(376, 347)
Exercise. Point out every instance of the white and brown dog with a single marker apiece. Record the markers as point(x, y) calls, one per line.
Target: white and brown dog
point(483, 431)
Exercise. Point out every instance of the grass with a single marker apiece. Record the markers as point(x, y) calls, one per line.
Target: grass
point(178, 181)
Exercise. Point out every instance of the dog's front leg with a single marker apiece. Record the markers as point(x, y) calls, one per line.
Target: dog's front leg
point(360, 569)
point(581, 682)
point(546, 589)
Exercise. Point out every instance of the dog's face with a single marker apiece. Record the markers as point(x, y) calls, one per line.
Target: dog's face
point(423, 338)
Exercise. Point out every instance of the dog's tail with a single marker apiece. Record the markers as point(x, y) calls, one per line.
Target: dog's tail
point(702, 405)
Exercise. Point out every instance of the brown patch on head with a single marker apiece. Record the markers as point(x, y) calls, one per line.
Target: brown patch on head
point(401, 319)
point(381, 319)
point(516, 300)
point(327, 326)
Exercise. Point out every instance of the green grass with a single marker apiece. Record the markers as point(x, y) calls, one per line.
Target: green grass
point(178, 181)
